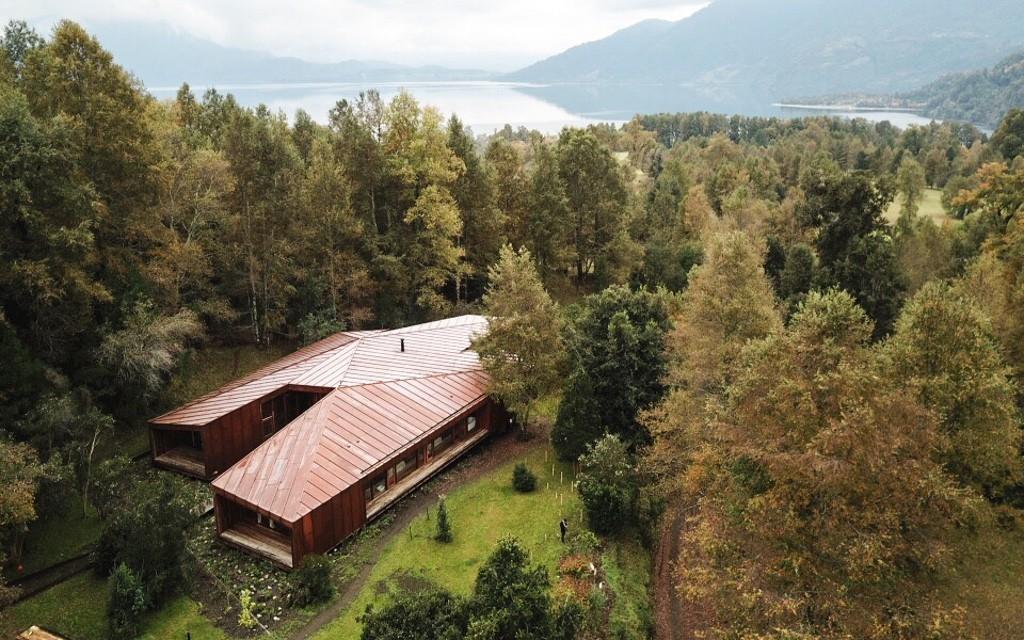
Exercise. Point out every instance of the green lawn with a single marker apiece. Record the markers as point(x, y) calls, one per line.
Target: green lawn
point(481, 512)
point(931, 207)
point(628, 567)
point(77, 608)
point(60, 536)
point(178, 618)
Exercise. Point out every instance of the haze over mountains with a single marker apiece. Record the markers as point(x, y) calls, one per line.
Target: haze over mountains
point(732, 56)
point(162, 56)
point(799, 47)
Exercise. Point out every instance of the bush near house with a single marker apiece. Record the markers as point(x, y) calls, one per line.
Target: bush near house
point(523, 480)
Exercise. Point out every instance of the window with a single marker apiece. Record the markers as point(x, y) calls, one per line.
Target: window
point(442, 441)
point(376, 487)
point(196, 440)
point(405, 467)
point(267, 413)
point(470, 424)
point(265, 521)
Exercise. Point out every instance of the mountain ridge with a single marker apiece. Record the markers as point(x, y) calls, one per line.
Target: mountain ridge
point(799, 47)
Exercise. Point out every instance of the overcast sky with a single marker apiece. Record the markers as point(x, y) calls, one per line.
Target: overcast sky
point(469, 33)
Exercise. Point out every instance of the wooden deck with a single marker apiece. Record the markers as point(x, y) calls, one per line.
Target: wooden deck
point(421, 475)
point(184, 459)
point(261, 541)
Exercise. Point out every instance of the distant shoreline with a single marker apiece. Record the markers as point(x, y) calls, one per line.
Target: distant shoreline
point(842, 107)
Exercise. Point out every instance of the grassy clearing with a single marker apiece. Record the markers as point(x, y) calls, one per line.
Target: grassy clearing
point(178, 618)
point(76, 608)
point(931, 207)
point(482, 512)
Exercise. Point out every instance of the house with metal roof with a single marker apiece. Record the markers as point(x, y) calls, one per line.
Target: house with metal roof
point(306, 450)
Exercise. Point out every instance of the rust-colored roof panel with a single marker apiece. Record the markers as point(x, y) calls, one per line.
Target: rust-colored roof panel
point(383, 400)
point(262, 382)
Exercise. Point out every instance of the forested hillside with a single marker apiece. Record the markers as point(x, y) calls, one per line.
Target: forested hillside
point(799, 47)
point(981, 97)
point(727, 327)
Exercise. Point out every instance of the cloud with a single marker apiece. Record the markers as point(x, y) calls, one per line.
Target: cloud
point(468, 33)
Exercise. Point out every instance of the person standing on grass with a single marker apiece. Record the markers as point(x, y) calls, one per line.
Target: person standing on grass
point(563, 526)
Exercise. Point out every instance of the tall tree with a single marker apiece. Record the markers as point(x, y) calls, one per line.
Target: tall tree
point(433, 258)
point(263, 216)
point(616, 343)
point(854, 243)
point(728, 304)
point(340, 286)
point(943, 346)
point(483, 224)
point(507, 167)
point(548, 226)
point(596, 197)
point(522, 350)
point(911, 183)
point(820, 511)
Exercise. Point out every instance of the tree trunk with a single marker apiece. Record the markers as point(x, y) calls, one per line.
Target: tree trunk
point(88, 472)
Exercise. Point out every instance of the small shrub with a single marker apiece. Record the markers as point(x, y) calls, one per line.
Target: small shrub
point(568, 620)
point(597, 604)
point(247, 614)
point(523, 479)
point(444, 525)
point(127, 602)
point(584, 543)
point(312, 581)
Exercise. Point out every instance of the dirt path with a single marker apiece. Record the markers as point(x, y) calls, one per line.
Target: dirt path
point(667, 603)
point(674, 618)
point(486, 458)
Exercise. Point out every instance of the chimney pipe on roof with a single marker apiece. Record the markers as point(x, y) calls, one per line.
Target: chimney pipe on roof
point(401, 343)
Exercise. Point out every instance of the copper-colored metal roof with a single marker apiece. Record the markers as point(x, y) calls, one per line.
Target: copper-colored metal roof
point(383, 400)
point(264, 381)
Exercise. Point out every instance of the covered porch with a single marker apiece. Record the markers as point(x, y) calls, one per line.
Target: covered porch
point(257, 539)
point(183, 459)
point(417, 477)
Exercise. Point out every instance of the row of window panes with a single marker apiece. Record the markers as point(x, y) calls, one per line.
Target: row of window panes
point(403, 467)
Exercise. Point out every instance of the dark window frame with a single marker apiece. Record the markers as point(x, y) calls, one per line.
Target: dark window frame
point(370, 491)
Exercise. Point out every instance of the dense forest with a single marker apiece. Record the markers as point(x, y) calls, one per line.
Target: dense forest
point(718, 301)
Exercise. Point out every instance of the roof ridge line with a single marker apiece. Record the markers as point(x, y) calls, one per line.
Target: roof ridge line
point(248, 378)
point(303, 471)
point(423, 377)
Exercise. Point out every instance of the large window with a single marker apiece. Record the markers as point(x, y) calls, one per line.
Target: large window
point(442, 441)
point(376, 487)
point(406, 466)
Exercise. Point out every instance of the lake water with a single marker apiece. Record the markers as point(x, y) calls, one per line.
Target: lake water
point(486, 106)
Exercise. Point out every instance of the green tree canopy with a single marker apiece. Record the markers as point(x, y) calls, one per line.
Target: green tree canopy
point(615, 343)
point(522, 350)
